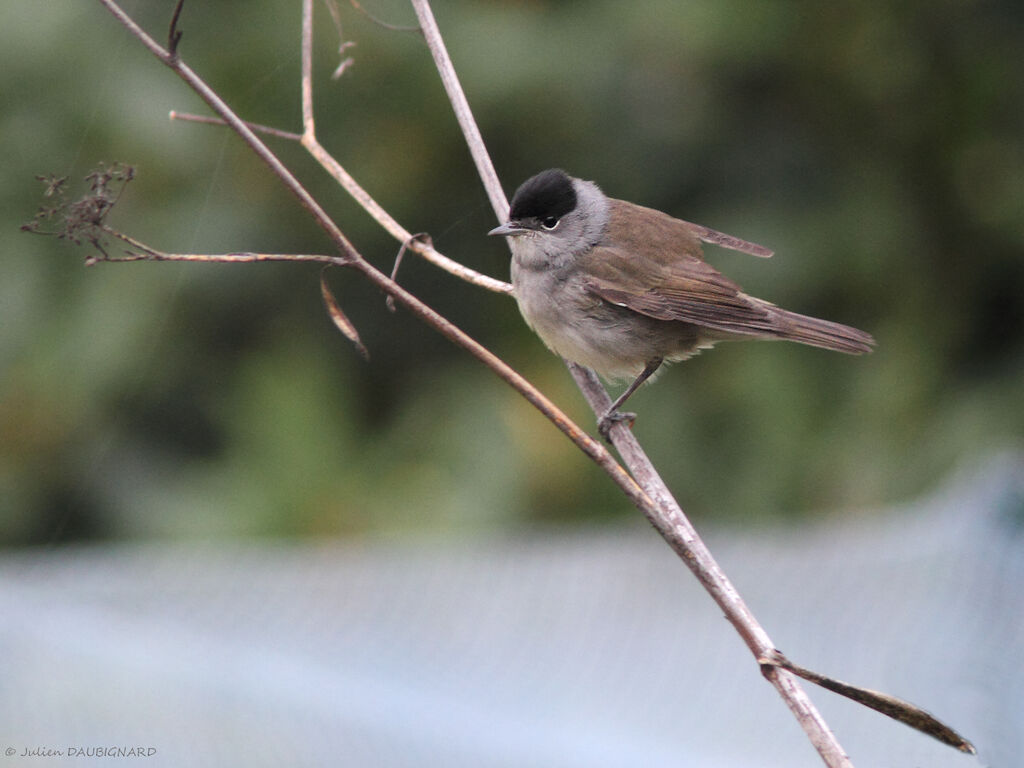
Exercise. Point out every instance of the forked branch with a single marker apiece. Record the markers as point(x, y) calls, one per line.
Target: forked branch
point(647, 491)
point(669, 520)
point(352, 259)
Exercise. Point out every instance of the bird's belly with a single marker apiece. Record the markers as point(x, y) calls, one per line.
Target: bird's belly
point(573, 323)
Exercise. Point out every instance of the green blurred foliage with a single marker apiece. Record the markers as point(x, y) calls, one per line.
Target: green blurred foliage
point(877, 146)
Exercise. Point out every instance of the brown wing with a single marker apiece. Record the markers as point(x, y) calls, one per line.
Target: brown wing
point(671, 281)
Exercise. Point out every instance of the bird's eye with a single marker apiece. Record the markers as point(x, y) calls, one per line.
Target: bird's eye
point(549, 223)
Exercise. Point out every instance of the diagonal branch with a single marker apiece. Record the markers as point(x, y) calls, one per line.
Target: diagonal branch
point(354, 260)
point(207, 94)
point(457, 97)
point(647, 492)
point(308, 139)
point(668, 518)
point(360, 195)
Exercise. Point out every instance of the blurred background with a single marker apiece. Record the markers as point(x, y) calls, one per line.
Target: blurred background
point(877, 147)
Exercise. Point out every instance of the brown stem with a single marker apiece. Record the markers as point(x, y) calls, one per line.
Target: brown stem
point(357, 192)
point(351, 258)
point(256, 127)
point(647, 492)
point(665, 515)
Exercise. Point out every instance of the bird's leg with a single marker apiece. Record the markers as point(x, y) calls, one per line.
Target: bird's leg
point(613, 415)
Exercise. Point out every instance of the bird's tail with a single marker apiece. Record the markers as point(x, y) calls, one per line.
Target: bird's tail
point(819, 333)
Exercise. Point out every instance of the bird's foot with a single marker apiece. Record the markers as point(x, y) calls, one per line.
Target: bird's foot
point(604, 424)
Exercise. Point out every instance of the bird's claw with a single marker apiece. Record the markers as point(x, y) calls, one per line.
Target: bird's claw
point(604, 424)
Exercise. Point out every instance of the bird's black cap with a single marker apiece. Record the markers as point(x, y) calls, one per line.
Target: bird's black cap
point(549, 193)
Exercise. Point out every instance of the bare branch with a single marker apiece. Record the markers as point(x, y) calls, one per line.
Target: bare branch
point(255, 127)
point(677, 530)
point(308, 125)
point(668, 518)
point(332, 8)
point(390, 225)
point(345, 63)
point(647, 491)
point(173, 33)
point(351, 258)
point(423, 237)
point(238, 125)
point(343, 44)
point(460, 106)
point(308, 139)
point(144, 253)
point(360, 195)
point(666, 515)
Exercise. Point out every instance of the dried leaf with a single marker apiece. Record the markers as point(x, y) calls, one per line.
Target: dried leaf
point(339, 318)
point(897, 709)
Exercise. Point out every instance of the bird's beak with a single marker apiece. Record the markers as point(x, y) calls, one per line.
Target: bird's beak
point(509, 229)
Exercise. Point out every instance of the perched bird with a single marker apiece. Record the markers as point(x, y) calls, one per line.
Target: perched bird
point(622, 289)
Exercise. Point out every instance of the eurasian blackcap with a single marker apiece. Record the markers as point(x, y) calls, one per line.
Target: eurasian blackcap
point(622, 289)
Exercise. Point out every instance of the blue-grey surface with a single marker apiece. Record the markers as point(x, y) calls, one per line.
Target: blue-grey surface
point(593, 649)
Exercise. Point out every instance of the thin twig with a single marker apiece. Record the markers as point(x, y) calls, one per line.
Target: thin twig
point(460, 106)
point(396, 230)
point(360, 195)
point(343, 44)
point(421, 236)
point(219, 107)
point(673, 525)
point(144, 253)
point(652, 499)
point(173, 33)
point(312, 145)
point(308, 124)
point(345, 63)
point(332, 8)
point(255, 127)
point(352, 259)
